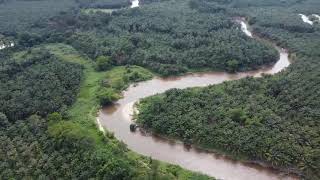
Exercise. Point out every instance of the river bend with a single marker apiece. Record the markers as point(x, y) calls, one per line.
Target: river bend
point(117, 118)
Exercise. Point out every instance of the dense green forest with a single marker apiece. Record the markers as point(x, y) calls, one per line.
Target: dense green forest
point(67, 61)
point(37, 82)
point(43, 137)
point(274, 119)
point(168, 38)
point(50, 94)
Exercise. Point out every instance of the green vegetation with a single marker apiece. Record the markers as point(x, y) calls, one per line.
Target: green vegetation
point(113, 82)
point(21, 15)
point(170, 38)
point(37, 83)
point(68, 61)
point(67, 150)
point(167, 37)
point(117, 80)
point(67, 143)
point(103, 63)
point(274, 119)
point(17, 15)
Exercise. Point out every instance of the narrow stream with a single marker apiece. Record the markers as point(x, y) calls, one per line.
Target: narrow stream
point(244, 28)
point(117, 118)
point(306, 19)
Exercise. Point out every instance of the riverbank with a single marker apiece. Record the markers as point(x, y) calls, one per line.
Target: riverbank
point(286, 172)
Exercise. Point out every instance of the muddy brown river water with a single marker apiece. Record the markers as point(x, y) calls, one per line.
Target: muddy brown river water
point(117, 118)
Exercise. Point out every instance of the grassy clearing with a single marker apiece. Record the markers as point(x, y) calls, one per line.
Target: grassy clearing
point(121, 77)
point(84, 110)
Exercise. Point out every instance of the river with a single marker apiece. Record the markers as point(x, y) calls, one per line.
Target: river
point(117, 118)
point(306, 19)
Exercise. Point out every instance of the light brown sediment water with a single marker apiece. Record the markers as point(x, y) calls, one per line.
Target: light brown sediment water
point(117, 119)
